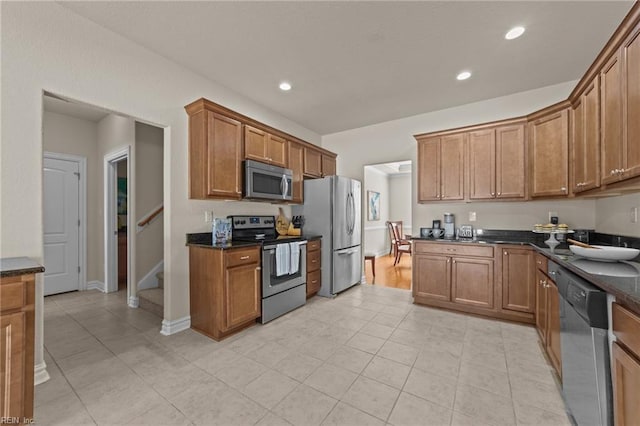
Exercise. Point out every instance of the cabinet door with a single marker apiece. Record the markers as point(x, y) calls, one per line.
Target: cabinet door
point(591, 137)
point(431, 277)
point(482, 164)
point(255, 144)
point(12, 364)
point(553, 326)
point(313, 282)
point(611, 119)
point(510, 162)
point(328, 165)
point(241, 294)
point(518, 280)
point(224, 151)
point(452, 164)
point(549, 155)
point(472, 282)
point(541, 305)
point(276, 151)
point(429, 170)
point(626, 386)
point(296, 164)
point(631, 111)
point(312, 162)
point(578, 153)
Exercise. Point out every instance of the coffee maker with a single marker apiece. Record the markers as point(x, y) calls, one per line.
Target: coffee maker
point(449, 226)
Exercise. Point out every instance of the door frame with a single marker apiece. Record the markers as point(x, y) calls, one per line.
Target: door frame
point(82, 205)
point(110, 212)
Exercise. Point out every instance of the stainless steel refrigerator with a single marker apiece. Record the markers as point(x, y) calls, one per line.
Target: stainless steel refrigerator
point(332, 208)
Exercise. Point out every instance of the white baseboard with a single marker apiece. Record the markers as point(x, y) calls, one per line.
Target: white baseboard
point(150, 280)
point(175, 326)
point(40, 373)
point(96, 285)
point(133, 302)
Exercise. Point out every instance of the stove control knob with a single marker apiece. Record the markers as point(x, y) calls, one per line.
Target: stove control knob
point(237, 222)
point(243, 222)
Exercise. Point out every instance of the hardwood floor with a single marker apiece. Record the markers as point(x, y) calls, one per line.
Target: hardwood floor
point(387, 275)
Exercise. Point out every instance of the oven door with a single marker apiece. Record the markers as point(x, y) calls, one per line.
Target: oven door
point(273, 284)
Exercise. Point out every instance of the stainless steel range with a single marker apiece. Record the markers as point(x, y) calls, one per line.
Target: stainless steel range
point(284, 264)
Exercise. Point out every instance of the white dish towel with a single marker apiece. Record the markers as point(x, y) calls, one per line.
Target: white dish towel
point(283, 259)
point(295, 257)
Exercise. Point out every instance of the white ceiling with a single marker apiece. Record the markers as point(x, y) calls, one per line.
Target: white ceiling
point(396, 168)
point(353, 64)
point(53, 103)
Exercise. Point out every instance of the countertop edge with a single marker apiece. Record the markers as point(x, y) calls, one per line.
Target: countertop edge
point(19, 266)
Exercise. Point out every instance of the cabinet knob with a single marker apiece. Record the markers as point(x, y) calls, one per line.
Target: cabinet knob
point(493, 194)
point(258, 268)
point(448, 259)
point(499, 193)
point(506, 254)
point(244, 257)
point(564, 188)
point(539, 263)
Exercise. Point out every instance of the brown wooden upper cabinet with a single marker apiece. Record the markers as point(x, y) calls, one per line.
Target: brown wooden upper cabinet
point(441, 163)
point(296, 164)
point(215, 156)
point(620, 104)
point(263, 146)
point(328, 165)
point(549, 154)
point(585, 139)
point(497, 163)
point(312, 162)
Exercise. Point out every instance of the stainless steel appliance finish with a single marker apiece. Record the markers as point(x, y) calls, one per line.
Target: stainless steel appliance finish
point(280, 294)
point(449, 225)
point(586, 377)
point(332, 209)
point(264, 181)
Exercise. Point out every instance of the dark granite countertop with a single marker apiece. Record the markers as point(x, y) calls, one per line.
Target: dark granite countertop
point(203, 239)
point(12, 266)
point(621, 279)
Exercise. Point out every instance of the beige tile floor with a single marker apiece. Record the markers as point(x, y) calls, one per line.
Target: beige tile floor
point(368, 357)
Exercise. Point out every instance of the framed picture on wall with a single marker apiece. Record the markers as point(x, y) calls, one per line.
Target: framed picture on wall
point(373, 205)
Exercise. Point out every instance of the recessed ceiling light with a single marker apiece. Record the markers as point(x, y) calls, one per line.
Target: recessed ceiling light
point(285, 86)
point(514, 32)
point(464, 75)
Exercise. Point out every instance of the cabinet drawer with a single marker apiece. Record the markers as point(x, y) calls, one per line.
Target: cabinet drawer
point(454, 249)
point(313, 282)
point(313, 260)
point(313, 245)
point(242, 256)
point(541, 262)
point(12, 296)
point(626, 327)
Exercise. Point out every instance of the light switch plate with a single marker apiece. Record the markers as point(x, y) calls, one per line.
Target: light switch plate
point(472, 216)
point(634, 215)
point(208, 216)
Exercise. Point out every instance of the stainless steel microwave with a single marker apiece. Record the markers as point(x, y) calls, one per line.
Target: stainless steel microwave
point(267, 182)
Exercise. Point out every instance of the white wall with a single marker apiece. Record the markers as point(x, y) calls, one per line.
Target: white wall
point(613, 215)
point(149, 195)
point(400, 200)
point(70, 135)
point(376, 236)
point(48, 47)
point(393, 141)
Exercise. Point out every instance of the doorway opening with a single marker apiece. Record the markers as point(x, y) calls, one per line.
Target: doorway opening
point(388, 195)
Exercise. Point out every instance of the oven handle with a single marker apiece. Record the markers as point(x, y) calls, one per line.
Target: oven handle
point(273, 247)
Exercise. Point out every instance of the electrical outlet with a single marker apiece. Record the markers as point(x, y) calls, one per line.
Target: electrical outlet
point(634, 215)
point(552, 215)
point(472, 216)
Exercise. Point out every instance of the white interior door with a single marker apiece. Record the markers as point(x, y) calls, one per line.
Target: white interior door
point(61, 226)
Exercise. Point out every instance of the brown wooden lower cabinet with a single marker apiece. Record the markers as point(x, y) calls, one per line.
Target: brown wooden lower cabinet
point(518, 279)
point(472, 282)
point(17, 325)
point(548, 317)
point(314, 251)
point(625, 366)
point(225, 294)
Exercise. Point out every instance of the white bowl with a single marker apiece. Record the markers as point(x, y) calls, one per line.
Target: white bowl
point(605, 253)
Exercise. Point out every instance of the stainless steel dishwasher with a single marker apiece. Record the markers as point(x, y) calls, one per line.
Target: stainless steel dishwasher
point(586, 375)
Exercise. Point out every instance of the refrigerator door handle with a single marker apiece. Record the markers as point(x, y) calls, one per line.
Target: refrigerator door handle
point(346, 252)
point(353, 214)
point(348, 214)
